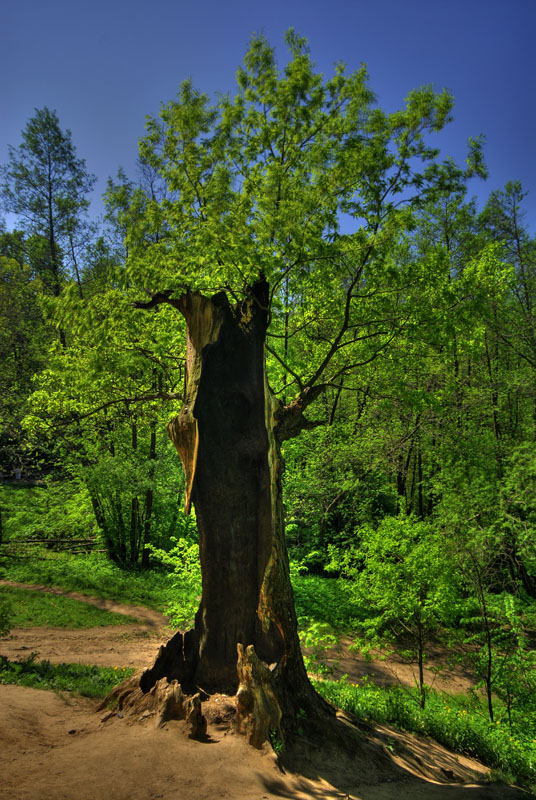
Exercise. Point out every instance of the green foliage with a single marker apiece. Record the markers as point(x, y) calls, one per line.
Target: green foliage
point(6, 614)
point(278, 745)
point(23, 345)
point(325, 601)
point(185, 578)
point(329, 488)
point(55, 511)
point(89, 681)
point(515, 524)
point(32, 609)
point(45, 184)
point(400, 570)
point(401, 573)
point(134, 491)
point(99, 406)
point(317, 638)
point(258, 185)
point(493, 639)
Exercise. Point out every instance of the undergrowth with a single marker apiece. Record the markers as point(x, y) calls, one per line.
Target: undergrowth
point(324, 600)
point(89, 681)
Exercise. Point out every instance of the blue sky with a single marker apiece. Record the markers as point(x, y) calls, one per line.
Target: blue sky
point(104, 65)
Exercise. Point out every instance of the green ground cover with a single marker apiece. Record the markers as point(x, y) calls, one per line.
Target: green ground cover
point(93, 575)
point(30, 609)
point(89, 681)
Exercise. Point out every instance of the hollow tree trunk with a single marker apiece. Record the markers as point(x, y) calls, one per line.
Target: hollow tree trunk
point(228, 435)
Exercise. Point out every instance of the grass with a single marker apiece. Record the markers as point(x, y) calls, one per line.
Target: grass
point(58, 510)
point(91, 574)
point(89, 681)
point(321, 600)
point(31, 609)
point(459, 723)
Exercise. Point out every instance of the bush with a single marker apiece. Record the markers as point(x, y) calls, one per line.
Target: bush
point(185, 577)
point(6, 614)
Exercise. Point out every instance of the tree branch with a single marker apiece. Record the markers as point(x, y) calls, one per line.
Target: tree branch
point(157, 298)
point(109, 403)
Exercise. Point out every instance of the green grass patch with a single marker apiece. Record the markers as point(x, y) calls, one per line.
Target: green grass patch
point(56, 511)
point(459, 723)
point(93, 575)
point(31, 609)
point(89, 681)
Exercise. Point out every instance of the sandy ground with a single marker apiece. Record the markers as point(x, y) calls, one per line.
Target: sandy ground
point(58, 747)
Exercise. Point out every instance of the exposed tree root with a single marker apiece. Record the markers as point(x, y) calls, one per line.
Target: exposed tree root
point(254, 711)
point(165, 700)
point(258, 712)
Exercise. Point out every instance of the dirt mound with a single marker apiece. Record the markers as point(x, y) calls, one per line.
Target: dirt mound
point(57, 748)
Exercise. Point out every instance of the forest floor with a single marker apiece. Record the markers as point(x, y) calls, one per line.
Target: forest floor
point(58, 747)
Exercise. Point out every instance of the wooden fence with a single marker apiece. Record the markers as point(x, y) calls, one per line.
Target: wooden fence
point(23, 547)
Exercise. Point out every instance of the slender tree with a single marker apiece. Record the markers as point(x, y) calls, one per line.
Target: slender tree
point(46, 185)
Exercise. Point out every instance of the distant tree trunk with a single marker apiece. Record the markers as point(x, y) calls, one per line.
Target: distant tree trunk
point(149, 497)
point(134, 507)
point(228, 435)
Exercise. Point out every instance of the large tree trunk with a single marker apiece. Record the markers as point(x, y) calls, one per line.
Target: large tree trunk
point(227, 436)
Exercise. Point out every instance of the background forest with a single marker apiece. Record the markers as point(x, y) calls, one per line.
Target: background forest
point(414, 488)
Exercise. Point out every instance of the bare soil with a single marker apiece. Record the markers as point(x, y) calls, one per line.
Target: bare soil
point(58, 747)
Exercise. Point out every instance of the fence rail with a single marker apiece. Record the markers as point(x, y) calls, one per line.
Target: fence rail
point(22, 547)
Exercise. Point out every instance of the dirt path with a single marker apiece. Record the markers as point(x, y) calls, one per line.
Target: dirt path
point(135, 646)
point(129, 645)
point(395, 671)
point(56, 747)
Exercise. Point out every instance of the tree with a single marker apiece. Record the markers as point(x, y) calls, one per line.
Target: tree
point(279, 301)
point(98, 404)
point(402, 573)
point(45, 184)
point(23, 345)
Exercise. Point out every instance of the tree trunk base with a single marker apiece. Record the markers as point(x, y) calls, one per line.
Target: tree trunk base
point(165, 701)
point(258, 710)
point(253, 712)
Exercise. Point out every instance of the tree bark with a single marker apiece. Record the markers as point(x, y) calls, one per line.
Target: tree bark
point(227, 435)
